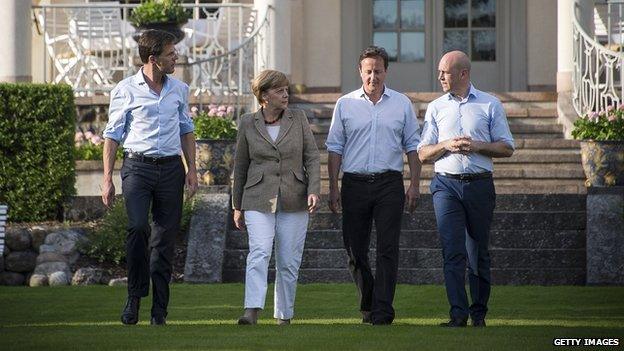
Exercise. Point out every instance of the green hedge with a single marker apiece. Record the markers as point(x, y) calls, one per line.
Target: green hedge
point(37, 124)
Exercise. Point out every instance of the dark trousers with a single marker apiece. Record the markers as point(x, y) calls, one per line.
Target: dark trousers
point(464, 211)
point(362, 201)
point(161, 188)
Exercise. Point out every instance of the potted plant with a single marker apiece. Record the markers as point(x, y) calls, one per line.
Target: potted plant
point(602, 146)
point(215, 131)
point(167, 15)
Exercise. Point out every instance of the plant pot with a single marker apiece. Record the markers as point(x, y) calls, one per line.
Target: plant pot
point(603, 162)
point(170, 27)
point(214, 159)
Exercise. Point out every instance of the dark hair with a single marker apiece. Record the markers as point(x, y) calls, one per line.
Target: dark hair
point(153, 42)
point(374, 51)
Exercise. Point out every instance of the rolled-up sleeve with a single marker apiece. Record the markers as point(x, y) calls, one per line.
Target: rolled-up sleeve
point(429, 134)
point(411, 132)
point(115, 127)
point(499, 127)
point(336, 137)
point(186, 123)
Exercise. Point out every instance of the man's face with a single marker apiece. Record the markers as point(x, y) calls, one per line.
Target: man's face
point(166, 61)
point(373, 74)
point(450, 77)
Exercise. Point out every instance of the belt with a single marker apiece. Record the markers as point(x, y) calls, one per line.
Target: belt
point(466, 176)
point(150, 159)
point(371, 178)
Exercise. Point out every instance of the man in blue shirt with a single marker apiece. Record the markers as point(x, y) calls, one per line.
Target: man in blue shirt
point(463, 130)
point(148, 115)
point(371, 129)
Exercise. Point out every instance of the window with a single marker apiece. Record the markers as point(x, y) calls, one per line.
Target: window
point(470, 26)
point(399, 27)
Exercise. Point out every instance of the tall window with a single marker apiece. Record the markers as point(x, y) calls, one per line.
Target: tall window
point(399, 27)
point(470, 26)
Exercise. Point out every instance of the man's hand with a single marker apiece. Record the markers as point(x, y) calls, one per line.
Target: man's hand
point(458, 145)
point(334, 199)
point(412, 197)
point(239, 220)
point(108, 192)
point(313, 202)
point(191, 183)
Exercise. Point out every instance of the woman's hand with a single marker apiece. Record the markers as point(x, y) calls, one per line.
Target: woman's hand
point(239, 220)
point(313, 202)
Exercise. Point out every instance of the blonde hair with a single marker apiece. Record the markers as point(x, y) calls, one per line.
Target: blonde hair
point(268, 79)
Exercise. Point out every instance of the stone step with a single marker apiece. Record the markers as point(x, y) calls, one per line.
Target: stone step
point(509, 171)
point(429, 239)
point(522, 156)
point(500, 276)
point(524, 96)
point(428, 258)
point(512, 186)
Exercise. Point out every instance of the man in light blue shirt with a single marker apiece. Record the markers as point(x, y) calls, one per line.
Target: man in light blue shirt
point(371, 129)
point(463, 130)
point(148, 115)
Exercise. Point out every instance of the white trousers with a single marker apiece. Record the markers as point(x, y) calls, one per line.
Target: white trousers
point(289, 231)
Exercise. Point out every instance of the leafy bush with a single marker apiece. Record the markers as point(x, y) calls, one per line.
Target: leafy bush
point(216, 123)
point(601, 126)
point(158, 11)
point(108, 242)
point(37, 124)
point(90, 146)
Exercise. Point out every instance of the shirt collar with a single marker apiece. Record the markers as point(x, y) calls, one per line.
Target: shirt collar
point(472, 91)
point(139, 79)
point(361, 93)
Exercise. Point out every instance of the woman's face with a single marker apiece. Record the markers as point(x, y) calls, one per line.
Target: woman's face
point(276, 98)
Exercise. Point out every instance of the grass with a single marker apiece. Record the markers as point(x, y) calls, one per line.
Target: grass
point(203, 317)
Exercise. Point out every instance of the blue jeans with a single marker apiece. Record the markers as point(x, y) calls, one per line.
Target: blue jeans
point(464, 211)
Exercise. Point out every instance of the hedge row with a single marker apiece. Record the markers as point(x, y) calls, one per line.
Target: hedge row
point(37, 123)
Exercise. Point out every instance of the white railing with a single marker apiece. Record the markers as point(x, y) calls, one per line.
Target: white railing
point(90, 47)
point(598, 71)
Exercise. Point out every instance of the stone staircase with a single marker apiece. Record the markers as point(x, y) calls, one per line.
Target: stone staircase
point(538, 232)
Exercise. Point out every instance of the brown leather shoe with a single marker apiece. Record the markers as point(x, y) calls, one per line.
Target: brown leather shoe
point(249, 317)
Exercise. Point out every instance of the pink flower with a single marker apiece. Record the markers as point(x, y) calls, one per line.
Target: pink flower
point(610, 108)
point(211, 106)
point(78, 137)
point(212, 112)
point(612, 117)
point(221, 113)
point(222, 108)
point(88, 135)
point(96, 140)
point(230, 109)
point(593, 115)
point(601, 113)
point(621, 107)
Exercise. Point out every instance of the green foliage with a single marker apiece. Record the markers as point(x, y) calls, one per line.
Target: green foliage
point(88, 151)
point(602, 126)
point(158, 11)
point(37, 124)
point(214, 127)
point(108, 242)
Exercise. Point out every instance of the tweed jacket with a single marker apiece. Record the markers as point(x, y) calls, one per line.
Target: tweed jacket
point(288, 167)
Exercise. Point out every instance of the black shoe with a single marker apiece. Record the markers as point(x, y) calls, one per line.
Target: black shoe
point(130, 314)
point(366, 317)
point(158, 320)
point(382, 322)
point(480, 323)
point(454, 323)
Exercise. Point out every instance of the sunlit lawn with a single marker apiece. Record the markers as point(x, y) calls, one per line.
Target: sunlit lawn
point(327, 317)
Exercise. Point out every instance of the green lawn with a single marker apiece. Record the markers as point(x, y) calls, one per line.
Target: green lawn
point(204, 317)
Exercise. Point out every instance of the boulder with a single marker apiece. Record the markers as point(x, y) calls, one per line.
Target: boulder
point(38, 280)
point(20, 261)
point(51, 257)
point(90, 276)
point(118, 282)
point(64, 242)
point(11, 278)
point(38, 234)
point(17, 239)
point(48, 268)
point(58, 279)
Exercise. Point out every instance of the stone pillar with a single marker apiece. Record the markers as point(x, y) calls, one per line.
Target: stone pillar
point(605, 235)
point(278, 41)
point(15, 24)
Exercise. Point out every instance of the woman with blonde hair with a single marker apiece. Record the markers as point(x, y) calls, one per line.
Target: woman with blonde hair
point(276, 186)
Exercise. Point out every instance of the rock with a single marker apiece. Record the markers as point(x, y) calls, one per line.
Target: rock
point(38, 280)
point(37, 234)
point(20, 261)
point(51, 257)
point(17, 239)
point(118, 282)
point(90, 276)
point(11, 278)
point(58, 279)
point(65, 242)
point(48, 268)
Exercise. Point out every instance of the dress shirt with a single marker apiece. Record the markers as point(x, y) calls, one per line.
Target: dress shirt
point(146, 122)
point(480, 116)
point(373, 137)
